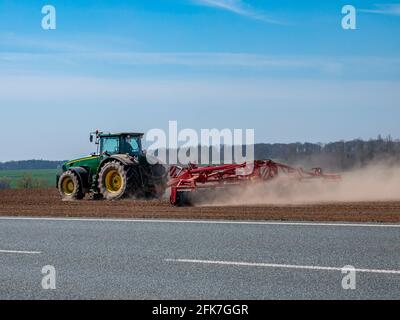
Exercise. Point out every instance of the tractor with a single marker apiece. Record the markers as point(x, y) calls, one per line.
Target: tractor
point(119, 169)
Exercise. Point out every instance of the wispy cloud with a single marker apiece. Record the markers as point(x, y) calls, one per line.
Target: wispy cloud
point(387, 9)
point(23, 56)
point(238, 7)
point(215, 64)
point(12, 41)
point(193, 60)
point(89, 42)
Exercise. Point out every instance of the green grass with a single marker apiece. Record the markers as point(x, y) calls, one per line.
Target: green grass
point(48, 176)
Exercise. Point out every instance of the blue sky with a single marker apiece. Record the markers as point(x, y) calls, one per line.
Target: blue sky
point(284, 68)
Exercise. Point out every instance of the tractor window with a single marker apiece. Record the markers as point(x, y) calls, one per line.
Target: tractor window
point(110, 145)
point(130, 145)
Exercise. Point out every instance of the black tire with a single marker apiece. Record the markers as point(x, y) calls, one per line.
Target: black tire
point(156, 177)
point(115, 181)
point(136, 187)
point(70, 186)
point(183, 199)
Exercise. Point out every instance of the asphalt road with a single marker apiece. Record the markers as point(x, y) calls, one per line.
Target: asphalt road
point(142, 259)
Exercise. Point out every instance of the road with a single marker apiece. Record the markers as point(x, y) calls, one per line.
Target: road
point(166, 259)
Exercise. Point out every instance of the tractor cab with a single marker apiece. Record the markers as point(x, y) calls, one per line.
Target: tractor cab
point(118, 143)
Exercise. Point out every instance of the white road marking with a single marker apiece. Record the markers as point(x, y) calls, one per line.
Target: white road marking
point(20, 252)
point(273, 265)
point(313, 224)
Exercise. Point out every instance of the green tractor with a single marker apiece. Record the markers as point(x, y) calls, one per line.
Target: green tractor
point(119, 169)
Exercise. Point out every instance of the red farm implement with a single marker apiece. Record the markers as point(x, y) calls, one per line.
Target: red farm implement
point(186, 180)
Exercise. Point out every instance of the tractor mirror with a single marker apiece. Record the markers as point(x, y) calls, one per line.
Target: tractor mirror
point(91, 138)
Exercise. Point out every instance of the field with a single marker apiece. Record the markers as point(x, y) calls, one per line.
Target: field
point(47, 176)
point(46, 202)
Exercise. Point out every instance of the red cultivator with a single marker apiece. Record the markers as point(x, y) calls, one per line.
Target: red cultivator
point(185, 180)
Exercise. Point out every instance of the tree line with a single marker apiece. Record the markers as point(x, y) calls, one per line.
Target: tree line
point(27, 181)
point(30, 165)
point(339, 155)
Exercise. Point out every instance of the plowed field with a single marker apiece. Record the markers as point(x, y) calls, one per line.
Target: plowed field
point(46, 202)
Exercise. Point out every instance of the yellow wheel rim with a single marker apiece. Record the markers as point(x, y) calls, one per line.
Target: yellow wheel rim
point(113, 181)
point(68, 186)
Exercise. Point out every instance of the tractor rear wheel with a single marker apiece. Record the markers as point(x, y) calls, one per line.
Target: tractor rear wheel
point(114, 181)
point(70, 187)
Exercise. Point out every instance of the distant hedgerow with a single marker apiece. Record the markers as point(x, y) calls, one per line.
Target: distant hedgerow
point(28, 182)
point(5, 183)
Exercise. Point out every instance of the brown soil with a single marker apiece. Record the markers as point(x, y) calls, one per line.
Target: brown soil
point(46, 202)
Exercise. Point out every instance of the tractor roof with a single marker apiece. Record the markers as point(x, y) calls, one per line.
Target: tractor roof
point(132, 134)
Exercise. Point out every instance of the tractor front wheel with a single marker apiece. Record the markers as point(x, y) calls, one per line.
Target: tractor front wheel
point(70, 187)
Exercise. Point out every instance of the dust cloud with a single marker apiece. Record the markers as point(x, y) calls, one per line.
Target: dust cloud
point(377, 182)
